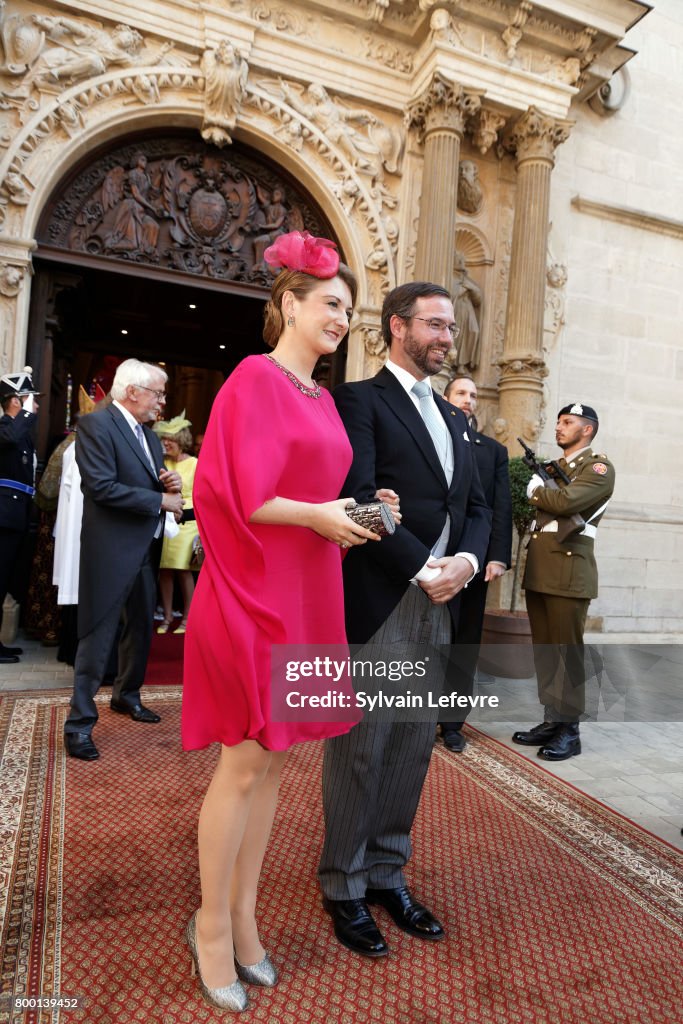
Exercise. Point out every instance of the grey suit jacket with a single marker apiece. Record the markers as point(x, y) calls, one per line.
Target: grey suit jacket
point(121, 509)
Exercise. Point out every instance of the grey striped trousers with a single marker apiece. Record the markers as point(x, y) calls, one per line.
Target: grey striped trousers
point(373, 776)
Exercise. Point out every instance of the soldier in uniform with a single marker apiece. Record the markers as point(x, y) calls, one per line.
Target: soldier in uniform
point(560, 579)
point(17, 478)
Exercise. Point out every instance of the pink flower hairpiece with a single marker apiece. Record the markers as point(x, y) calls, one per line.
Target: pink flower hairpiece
point(299, 250)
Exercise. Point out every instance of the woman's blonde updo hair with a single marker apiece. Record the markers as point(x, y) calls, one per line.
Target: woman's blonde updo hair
point(300, 284)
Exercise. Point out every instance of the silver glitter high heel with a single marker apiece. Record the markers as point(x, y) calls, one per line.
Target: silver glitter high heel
point(230, 997)
point(262, 973)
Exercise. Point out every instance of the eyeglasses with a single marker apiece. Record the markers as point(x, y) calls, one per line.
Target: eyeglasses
point(159, 394)
point(438, 326)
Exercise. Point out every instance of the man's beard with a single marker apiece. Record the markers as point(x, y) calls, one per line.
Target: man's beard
point(422, 357)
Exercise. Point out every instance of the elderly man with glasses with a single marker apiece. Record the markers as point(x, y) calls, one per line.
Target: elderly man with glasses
point(126, 493)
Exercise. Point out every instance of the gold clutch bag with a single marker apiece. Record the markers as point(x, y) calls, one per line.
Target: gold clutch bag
point(373, 515)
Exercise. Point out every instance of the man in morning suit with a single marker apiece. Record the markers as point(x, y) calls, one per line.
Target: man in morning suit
point(409, 440)
point(560, 579)
point(492, 462)
point(18, 415)
point(126, 490)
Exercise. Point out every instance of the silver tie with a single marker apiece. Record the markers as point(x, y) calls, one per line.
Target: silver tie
point(433, 421)
point(139, 433)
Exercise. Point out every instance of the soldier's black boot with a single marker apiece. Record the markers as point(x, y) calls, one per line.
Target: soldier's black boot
point(537, 736)
point(566, 743)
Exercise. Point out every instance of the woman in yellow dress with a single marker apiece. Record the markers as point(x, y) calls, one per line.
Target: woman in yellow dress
point(176, 553)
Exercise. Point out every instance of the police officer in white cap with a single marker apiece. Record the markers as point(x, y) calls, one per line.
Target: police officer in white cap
point(17, 478)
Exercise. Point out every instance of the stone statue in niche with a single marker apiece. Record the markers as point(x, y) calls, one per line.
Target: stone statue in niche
point(470, 195)
point(371, 153)
point(85, 50)
point(226, 74)
point(135, 228)
point(467, 299)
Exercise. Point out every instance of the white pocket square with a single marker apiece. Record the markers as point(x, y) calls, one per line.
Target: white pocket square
point(466, 436)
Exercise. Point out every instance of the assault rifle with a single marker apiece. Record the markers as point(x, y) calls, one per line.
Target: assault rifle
point(550, 472)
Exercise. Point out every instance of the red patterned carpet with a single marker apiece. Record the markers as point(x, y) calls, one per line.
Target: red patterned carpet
point(558, 911)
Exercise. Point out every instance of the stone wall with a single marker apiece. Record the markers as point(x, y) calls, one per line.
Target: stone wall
point(617, 226)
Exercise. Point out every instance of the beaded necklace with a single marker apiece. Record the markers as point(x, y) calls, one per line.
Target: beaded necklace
point(313, 392)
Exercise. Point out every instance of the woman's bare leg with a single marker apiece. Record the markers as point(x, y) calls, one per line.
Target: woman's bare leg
point(239, 774)
point(248, 948)
point(186, 580)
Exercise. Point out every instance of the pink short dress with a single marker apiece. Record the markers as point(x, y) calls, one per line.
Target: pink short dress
point(260, 585)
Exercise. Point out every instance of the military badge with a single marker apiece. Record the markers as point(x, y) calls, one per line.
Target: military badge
point(600, 468)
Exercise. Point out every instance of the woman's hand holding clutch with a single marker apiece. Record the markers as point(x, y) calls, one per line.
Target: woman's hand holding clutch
point(330, 520)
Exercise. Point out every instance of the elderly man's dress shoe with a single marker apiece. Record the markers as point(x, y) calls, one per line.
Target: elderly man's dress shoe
point(407, 913)
point(80, 745)
point(11, 652)
point(454, 741)
point(136, 711)
point(355, 927)
point(537, 736)
point(565, 743)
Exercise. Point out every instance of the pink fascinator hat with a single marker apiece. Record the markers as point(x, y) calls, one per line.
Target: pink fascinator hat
point(298, 250)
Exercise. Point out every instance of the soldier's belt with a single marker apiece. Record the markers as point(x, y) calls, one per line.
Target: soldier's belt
point(552, 527)
point(16, 485)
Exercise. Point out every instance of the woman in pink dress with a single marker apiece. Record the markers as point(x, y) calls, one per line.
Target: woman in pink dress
point(275, 456)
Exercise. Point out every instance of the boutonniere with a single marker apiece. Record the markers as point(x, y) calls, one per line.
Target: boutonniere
point(466, 436)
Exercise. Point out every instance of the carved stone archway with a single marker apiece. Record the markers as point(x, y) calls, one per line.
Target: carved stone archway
point(153, 215)
point(80, 118)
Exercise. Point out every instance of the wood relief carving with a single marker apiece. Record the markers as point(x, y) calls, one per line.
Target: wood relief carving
point(180, 205)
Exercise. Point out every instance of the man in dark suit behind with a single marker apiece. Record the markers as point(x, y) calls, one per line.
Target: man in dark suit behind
point(403, 589)
point(492, 463)
point(125, 491)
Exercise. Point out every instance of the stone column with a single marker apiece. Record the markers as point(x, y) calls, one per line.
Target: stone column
point(15, 292)
point(533, 138)
point(439, 116)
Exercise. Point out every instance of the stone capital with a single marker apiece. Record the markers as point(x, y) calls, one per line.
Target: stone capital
point(443, 106)
point(528, 366)
point(535, 136)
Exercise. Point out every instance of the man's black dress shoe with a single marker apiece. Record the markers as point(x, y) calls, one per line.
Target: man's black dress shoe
point(80, 744)
point(454, 741)
point(355, 927)
point(11, 652)
point(537, 736)
point(407, 913)
point(136, 711)
point(8, 659)
point(565, 743)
